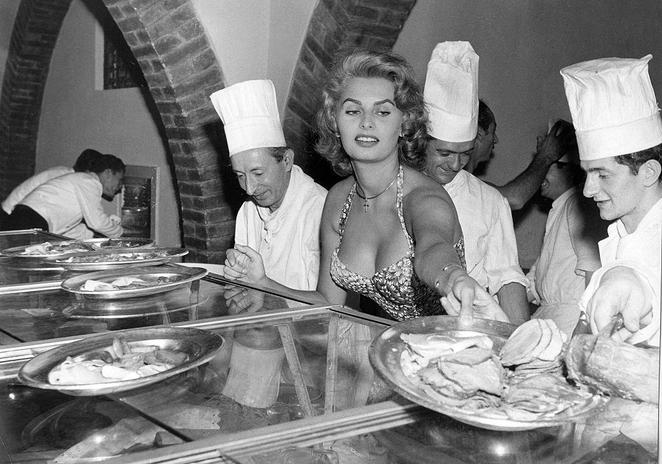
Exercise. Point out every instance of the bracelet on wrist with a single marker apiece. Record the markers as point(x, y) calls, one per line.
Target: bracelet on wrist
point(448, 269)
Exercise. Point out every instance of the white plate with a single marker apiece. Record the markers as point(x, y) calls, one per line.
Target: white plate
point(67, 247)
point(387, 347)
point(174, 277)
point(200, 346)
point(113, 259)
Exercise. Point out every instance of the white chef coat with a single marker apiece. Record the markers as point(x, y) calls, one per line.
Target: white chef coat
point(65, 201)
point(489, 237)
point(641, 251)
point(288, 238)
point(557, 278)
point(31, 183)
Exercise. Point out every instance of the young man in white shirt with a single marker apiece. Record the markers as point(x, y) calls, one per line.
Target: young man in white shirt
point(70, 204)
point(619, 135)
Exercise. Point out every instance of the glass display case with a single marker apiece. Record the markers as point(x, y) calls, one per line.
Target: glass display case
point(291, 383)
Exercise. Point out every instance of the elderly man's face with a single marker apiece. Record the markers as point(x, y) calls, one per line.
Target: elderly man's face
point(443, 160)
point(262, 177)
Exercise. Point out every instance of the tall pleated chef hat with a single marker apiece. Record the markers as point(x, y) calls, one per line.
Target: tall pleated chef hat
point(249, 112)
point(451, 92)
point(613, 106)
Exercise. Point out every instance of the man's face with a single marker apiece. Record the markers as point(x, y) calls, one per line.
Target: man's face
point(111, 183)
point(443, 160)
point(484, 146)
point(263, 178)
point(557, 180)
point(615, 190)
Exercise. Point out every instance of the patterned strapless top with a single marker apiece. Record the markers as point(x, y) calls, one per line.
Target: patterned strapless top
point(396, 288)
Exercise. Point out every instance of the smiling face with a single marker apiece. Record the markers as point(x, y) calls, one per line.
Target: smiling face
point(616, 190)
point(262, 177)
point(443, 160)
point(367, 119)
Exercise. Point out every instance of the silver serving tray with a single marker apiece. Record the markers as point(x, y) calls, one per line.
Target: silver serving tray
point(387, 347)
point(200, 346)
point(124, 309)
point(113, 259)
point(67, 247)
point(177, 275)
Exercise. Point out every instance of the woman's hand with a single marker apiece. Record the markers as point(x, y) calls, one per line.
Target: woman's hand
point(465, 297)
point(244, 263)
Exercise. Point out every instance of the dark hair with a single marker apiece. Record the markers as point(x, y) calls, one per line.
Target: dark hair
point(279, 152)
point(104, 162)
point(408, 99)
point(635, 160)
point(485, 116)
point(86, 159)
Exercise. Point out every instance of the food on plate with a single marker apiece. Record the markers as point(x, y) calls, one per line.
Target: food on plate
point(615, 368)
point(55, 249)
point(114, 257)
point(522, 381)
point(125, 283)
point(121, 361)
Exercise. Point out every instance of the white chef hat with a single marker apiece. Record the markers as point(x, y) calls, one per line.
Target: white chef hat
point(451, 92)
point(613, 106)
point(250, 115)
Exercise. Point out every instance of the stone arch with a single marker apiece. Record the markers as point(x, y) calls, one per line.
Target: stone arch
point(335, 25)
point(181, 71)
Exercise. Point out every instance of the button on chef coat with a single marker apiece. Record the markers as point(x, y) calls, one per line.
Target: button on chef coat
point(65, 201)
point(641, 251)
point(489, 237)
point(288, 238)
point(557, 278)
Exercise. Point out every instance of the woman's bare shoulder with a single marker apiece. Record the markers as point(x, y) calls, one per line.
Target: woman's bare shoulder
point(336, 197)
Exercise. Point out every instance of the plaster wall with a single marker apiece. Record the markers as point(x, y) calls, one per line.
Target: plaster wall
point(522, 46)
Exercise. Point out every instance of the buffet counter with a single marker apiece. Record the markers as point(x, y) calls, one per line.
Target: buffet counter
point(291, 383)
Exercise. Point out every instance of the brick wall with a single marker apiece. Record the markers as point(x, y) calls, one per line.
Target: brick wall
point(31, 46)
point(181, 70)
point(335, 25)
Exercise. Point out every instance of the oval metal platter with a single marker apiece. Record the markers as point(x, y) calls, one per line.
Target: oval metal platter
point(113, 259)
point(386, 349)
point(158, 279)
point(58, 249)
point(199, 345)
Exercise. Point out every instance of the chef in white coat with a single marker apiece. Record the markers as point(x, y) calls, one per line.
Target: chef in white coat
point(619, 136)
point(280, 222)
point(70, 204)
point(451, 95)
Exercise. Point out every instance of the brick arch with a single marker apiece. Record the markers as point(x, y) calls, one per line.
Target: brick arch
point(334, 25)
point(181, 71)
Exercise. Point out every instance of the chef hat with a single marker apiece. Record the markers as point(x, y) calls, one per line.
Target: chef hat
point(250, 114)
point(451, 92)
point(613, 106)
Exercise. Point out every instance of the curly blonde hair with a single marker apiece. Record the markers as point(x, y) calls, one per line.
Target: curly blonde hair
point(363, 63)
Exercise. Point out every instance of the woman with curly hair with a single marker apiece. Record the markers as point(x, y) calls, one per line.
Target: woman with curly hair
point(388, 232)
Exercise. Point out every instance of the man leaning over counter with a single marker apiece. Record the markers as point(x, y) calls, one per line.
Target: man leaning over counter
point(619, 136)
